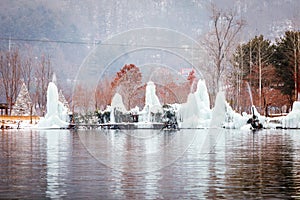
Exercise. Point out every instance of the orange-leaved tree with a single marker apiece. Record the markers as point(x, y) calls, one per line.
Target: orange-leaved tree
point(126, 82)
point(103, 94)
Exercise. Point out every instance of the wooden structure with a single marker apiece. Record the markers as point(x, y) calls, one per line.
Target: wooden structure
point(3, 109)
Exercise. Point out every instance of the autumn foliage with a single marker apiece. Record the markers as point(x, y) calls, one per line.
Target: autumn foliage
point(126, 82)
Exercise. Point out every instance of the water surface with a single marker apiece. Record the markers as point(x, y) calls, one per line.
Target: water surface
point(149, 164)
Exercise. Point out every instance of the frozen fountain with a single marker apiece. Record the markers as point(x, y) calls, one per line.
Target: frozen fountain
point(57, 113)
point(196, 113)
point(234, 120)
point(250, 93)
point(116, 104)
point(152, 103)
point(292, 120)
point(219, 111)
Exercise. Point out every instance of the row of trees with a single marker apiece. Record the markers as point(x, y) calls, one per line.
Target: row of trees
point(128, 83)
point(16, 69)
point(270, 69)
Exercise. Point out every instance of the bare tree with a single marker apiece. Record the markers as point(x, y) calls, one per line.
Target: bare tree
point(103, 94)
point(27, 74)
point(27, 70)
point(43, 77)
point(220, 42)
point(82, 100)
point(10, 67)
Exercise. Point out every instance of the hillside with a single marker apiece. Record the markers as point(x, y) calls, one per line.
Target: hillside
point(66, 30)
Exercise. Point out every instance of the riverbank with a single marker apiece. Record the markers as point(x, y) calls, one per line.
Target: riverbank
point(12, 122)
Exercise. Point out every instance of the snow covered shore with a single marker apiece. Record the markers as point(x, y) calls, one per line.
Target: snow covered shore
point(195, 113)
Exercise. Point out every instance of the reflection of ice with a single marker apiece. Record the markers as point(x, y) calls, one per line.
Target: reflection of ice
point(57, 113)
point(57, 165)
point(142, 154)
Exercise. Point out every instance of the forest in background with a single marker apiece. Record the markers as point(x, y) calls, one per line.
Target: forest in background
point(55, 37)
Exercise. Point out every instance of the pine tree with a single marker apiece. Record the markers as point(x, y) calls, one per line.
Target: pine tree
point(23, 105)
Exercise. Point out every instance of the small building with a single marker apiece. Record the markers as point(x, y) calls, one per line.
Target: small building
point(3, 109)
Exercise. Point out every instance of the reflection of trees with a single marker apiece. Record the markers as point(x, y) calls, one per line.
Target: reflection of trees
point(263, 166)
point(23, 166)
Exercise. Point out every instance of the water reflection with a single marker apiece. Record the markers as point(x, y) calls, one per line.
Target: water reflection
point(262, 165)
point(59, 150)
point(145, 164)
point(137, 151)
point(23, 165)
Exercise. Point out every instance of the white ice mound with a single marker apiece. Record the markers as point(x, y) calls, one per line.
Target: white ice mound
point(117, 103)
point(152, 103)
point(292, 120)
point(234, 120)
point(219, 111)
point(195, 113)
point(57, 113)
point(151, 99)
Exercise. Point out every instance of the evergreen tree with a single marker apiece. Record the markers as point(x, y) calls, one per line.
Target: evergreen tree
point(286, 61)
point(23, 105)
point(249, 57)
point(252, 64)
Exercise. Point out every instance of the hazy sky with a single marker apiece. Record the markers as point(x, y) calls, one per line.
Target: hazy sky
point(89, 21)
point(99, 19)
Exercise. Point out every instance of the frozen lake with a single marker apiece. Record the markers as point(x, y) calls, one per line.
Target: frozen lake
point(150, 164)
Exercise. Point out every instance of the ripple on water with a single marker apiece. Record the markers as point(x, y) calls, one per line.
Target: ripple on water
point(146, 164)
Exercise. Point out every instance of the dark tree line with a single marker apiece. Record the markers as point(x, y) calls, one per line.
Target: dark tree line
point(268, 67)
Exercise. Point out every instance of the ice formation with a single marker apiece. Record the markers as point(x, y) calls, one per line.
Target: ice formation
point(152, 103)
point(195, 113)
point(116, 104)
point(219, 111)
point(234, 120)
point(57, 113)
point(292, 120)
point(151, 98)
